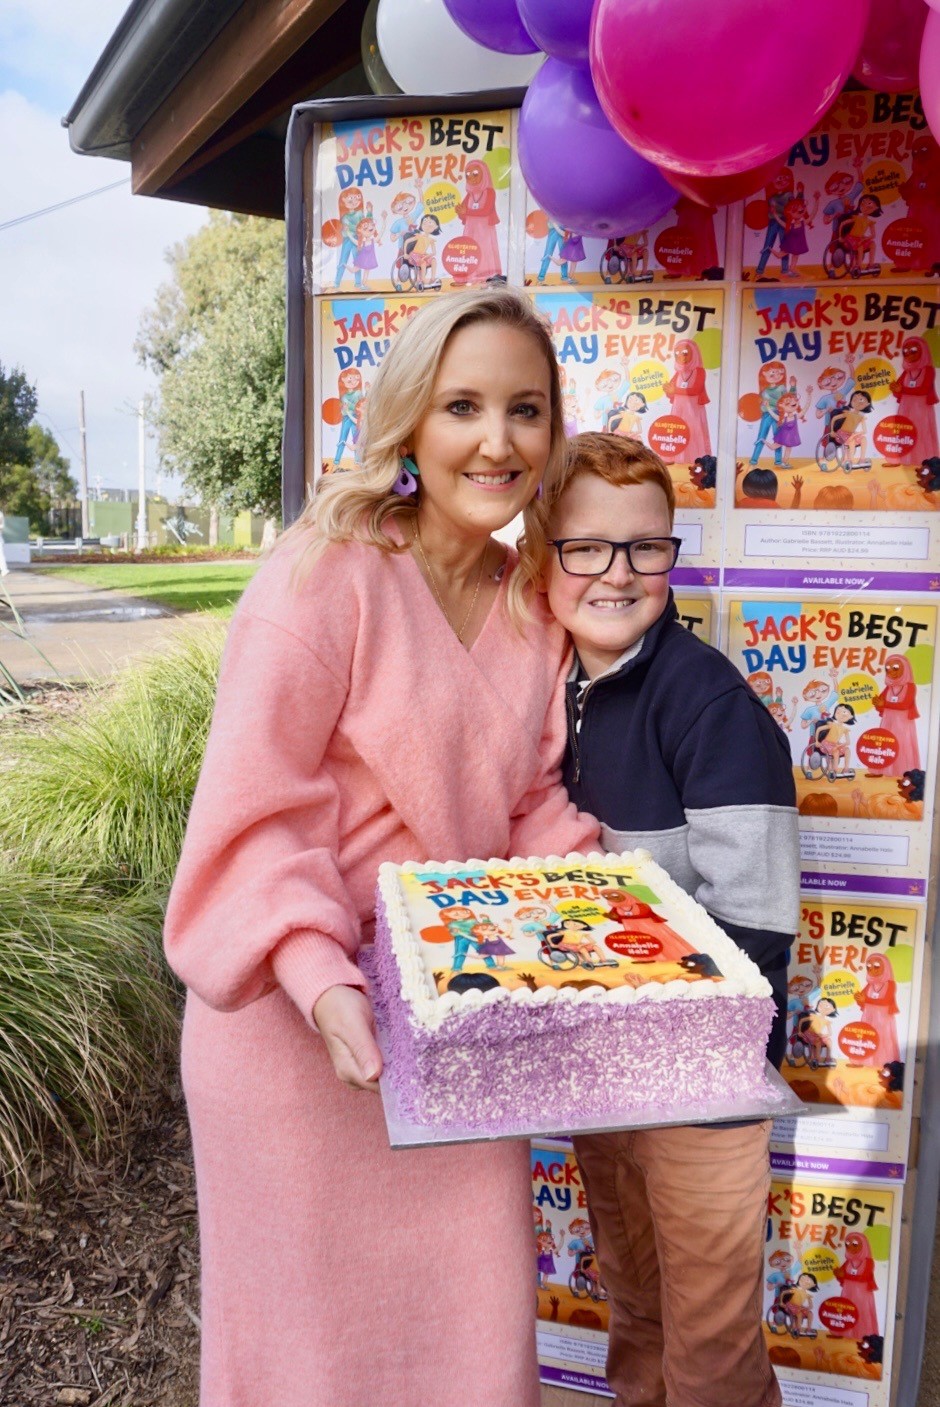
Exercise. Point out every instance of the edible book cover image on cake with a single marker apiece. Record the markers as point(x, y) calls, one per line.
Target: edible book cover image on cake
point(538, 994)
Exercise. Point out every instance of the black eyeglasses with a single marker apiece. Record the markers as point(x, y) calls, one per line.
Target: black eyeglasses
point(593, 556)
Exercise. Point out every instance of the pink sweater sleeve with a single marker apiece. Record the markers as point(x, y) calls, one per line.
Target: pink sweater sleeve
point(546, 822)
point(258, 898)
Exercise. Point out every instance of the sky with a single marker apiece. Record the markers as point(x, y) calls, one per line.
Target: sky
point(73, 284)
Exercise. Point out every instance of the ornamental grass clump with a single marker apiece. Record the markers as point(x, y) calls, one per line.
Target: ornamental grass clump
point(89, 1015)
point(106, 793)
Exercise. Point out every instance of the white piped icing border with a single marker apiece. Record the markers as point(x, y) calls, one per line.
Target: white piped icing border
point(429, 1009)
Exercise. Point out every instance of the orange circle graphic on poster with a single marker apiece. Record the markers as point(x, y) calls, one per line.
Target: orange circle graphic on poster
point(438, 933)
point(756, 214)
point(858, 1041)
point(749, 407)
point(895, 436)
point(461, 258)
point(904, 242)
point(332, 233)
point(639, 946)
point(669, 436)
point(536, 224)
point(331, 411)
point(877, 748)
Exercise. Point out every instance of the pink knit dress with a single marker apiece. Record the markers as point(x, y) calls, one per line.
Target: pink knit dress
point(351, 727)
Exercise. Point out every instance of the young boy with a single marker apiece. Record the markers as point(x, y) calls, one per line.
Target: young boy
point(672, 751)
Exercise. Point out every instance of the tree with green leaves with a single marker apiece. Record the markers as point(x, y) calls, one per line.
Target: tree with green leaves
point(17, 408)
point(215, 339)
point(35, 482)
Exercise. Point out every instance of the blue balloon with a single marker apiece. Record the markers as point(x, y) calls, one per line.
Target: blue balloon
point(493, 23)
point(578, 169)
point(561, 27)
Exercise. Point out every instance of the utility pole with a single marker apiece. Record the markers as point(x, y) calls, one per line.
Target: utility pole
point(141, 480)
point(86, 531)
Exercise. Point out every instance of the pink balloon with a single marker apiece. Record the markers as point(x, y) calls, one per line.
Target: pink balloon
point(724, 190)
point(930, 72)
point(716, 92)
point(887, 60)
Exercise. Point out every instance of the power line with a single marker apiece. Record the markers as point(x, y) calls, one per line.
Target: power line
point(49, 209)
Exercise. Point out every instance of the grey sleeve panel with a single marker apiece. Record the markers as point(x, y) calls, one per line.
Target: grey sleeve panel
point(668, 848)
point(748, 858)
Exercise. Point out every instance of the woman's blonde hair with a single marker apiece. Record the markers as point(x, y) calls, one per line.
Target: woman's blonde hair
point(617, 459)
point(357, 505)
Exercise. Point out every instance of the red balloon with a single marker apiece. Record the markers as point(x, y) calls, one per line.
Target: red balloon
point(718, 91)
point(725, 190)
point(888, 58)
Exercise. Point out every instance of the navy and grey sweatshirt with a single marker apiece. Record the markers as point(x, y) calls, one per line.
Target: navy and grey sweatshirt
point(674, 753)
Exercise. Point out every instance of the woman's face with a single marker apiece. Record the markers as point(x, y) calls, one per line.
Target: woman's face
point(774, 375)
point(484, 441)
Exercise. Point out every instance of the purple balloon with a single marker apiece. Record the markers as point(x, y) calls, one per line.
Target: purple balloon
point(577, 168)
point(561, 27)
point(492, 23)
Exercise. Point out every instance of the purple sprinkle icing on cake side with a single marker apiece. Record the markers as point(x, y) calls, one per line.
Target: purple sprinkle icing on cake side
point(494, 1066)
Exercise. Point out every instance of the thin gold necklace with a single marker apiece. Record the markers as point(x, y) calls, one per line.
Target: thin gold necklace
point(440, 599)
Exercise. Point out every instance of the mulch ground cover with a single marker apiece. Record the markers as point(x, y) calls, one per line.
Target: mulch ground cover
point(99, 1278)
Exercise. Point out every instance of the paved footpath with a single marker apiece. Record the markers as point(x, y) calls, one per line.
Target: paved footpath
point(84, 632)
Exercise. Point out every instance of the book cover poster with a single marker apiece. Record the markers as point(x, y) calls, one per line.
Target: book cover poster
point(830, 1282)
point(648, 366)
point(859, 197)
point(411, 204)
point(697, 614)
point(355, 334)
point(572, 1315)
point(851, 688)
point(853, 986)
point(687, 244)
point(837, 405)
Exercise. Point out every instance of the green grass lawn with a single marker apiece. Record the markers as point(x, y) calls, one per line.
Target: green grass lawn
point(182, 586)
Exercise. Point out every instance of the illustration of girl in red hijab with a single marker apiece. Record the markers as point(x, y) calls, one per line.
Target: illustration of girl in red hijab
point(635, 917)
point(916, 396)
point(688, 399)
point(897, 707)
point(856, 1276)
point(878, 1000)
point(477, 210)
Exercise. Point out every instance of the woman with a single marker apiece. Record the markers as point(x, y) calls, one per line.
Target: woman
point(897, 709)
point(916, 394)
point(878, 1000)
point(377, 701)
point(688, 399)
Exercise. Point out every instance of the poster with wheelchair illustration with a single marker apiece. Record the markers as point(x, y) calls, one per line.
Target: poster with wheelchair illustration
point(686, 245)
point(858, 198)
point(853, 989)
point(648, 365)
point(411, 204)
point(355, 334)
point(852, 688)
point(830, 1287)
point(571, 1313)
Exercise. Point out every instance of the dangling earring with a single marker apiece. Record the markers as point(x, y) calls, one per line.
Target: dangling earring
point(407, 482)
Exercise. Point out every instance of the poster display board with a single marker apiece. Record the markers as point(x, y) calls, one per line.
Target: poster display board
point(858, 197)
point(837, 459)
point(852, 686)
point(412, 204)
point(572, 1317)
point(831, 1265)
point(853, 988)
point(781, 357)
point(648, 365)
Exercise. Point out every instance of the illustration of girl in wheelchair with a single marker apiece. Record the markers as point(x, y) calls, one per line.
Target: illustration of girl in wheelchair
point(585, 1277)
point(415, 266)
point(828, 749)
point(792, 1310)
point(844, 441)
point(810, 1040)
point(566, 946)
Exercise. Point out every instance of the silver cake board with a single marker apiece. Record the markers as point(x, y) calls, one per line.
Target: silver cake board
point(776, 1101)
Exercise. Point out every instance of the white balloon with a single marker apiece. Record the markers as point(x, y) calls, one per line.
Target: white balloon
point(426, 53)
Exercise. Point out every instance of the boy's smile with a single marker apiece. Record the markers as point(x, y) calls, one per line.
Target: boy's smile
point(607, 614)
